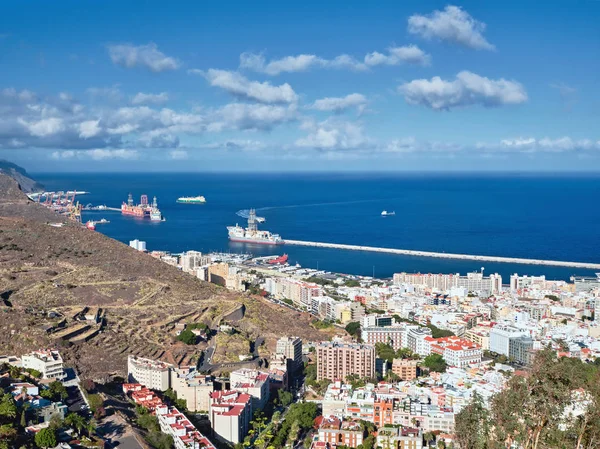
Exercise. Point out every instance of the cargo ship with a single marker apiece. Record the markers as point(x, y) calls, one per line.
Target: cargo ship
point(192, 200)
point(142, 210)
point(251, 234)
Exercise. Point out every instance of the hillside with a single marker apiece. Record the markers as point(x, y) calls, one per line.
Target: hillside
point(20, 175)
point(48, 275)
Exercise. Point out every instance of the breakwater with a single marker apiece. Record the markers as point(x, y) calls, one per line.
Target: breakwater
point(410, 252)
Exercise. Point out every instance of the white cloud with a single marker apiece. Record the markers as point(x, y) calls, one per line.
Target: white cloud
point(333, 135)
point(299, 63)
point(467, 89)
point(158, 138)
point(257, 63)
point(147, 56)
point(89, 128)
point(96, 154)
point(60, 123)
point(546, 145)
point(235, 145)
point(178, 155)
point(453, 24)
point(112, 94)
point(409, 54)
point(144, 98)
point(340, 104)
point(251, 116)
point(45, 127)
point(236, 84)
point(67, 154)
point(345, 62)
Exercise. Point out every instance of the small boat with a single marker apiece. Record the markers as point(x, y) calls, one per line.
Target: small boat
point(192, 200)
point(385, 213)
point(91, 225)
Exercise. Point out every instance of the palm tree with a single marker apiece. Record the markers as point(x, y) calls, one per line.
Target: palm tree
point(429, 437)
point(90, 427)
point(75, 421)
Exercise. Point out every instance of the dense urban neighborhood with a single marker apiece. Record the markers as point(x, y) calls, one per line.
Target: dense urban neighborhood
point(416, 361)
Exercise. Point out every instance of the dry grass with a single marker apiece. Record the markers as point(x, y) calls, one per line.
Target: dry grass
point(65, 269)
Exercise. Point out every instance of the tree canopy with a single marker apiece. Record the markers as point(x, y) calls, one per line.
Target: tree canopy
point(188, 337)
point(46, 438)
point(435, 362)
point(556, 405)
point(353, 328)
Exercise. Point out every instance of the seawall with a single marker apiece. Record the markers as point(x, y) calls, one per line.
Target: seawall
point(409, 252)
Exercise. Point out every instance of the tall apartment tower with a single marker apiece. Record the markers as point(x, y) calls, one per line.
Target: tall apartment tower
point(291, 349)
point(338, 360)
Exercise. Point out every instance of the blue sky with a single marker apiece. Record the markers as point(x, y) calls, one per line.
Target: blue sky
point(276, 86)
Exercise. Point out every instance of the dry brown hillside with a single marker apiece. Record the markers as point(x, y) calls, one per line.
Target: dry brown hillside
point(51, 277)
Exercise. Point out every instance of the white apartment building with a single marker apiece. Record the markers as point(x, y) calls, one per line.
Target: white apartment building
point(456, 351)
point(299, 292)
point(251, 382)
point(190, 260)
point(150, 373)
point(395, 336)
point(230, 413)
point(138, 244)
point(48, 362)
point(415, 339)
point(290, 348)
point(193, 387)
point(472, 281)
point(500, 336)
point(519, 282)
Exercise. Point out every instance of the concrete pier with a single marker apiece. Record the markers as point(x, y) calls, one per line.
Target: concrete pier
point(409, 252)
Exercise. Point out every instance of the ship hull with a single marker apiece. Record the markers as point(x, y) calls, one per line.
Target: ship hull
point(253, 241)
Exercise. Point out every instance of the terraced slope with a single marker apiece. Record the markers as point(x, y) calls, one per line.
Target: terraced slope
point(45, 269)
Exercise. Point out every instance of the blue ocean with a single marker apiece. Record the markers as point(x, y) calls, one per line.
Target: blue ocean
point(530, 216)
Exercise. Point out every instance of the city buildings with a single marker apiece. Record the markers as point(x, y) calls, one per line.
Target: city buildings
point(138, 244)
point(338, 360)
point(500, 336)
point(520, 349)
point(195, 388)
point(253, 383)
point(394, 336)
point(150, 373)
point(190, 260)
point(185, 436)
point(334, 432)
point(405, 369)
point(48, 362)
point(475, 282)
point(291, 349)
point(230, 413)
point(479, 335)
point(415, 340)
point(456, 351)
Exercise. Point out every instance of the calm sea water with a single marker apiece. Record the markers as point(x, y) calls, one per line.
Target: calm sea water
point(541, 217)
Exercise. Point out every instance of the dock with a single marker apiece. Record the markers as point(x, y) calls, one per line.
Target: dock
point(410, 252)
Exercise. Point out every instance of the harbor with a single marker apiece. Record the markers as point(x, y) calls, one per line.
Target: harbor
point(409, 252)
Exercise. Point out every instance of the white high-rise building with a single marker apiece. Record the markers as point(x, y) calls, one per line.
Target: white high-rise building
point(190, 260)
point(290, 348)
point(48, 362)
point(138, 244)
point(150, 373)
point(500, 336)
point(475, 282)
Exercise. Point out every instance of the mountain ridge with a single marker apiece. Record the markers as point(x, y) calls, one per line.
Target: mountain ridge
point(19, 174)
